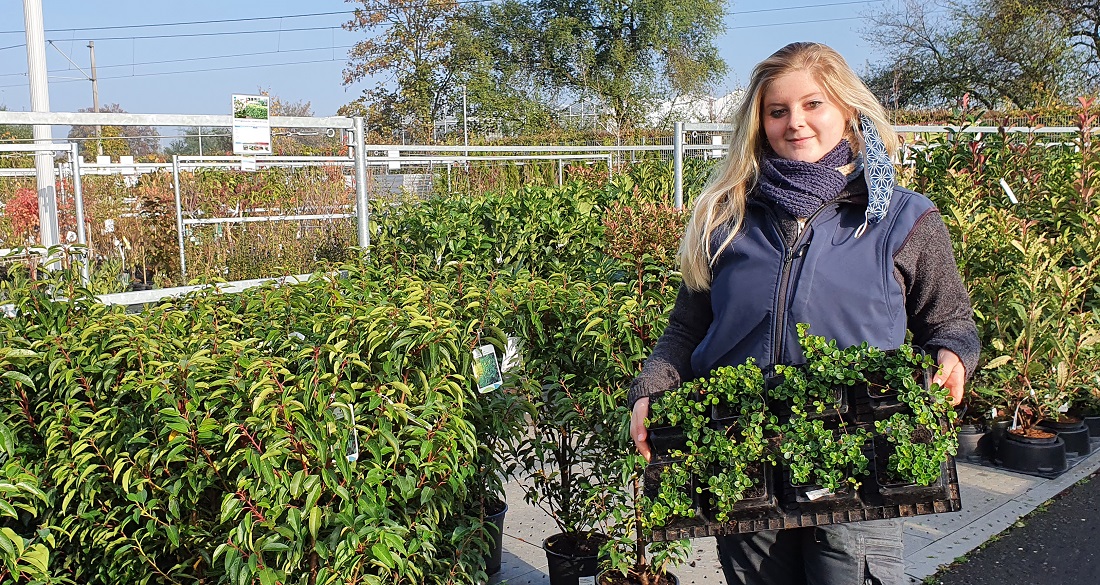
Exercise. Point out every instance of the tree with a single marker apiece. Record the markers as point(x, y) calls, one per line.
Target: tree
point(202, 141)
point(1001, 52)
point(629, 53)
point(139, 141)
point(411, 59)
point(10, 134)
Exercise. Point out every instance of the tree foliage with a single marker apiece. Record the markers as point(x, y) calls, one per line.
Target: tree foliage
point(1001, 52)
point(517, 61)
point(628, 53)
point(139, 141)
point(410, 56)
point(9, 134)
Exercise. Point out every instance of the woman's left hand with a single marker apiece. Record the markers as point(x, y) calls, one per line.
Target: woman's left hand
point(951, 375)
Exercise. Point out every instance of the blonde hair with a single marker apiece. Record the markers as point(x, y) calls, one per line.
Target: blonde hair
point(722, 202)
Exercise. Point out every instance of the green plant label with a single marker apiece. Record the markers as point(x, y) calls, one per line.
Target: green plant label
point(486, 370)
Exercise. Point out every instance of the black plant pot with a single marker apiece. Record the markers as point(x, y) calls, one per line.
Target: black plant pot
point(664, 440)
point(1032, 455)
point(615, 577)
point(1074, 434)
point(993, 437)
point(494, 525)
point(571, 557)
point(970, 443)
point(653, 476)
point(895, 492)
point(755, 500)
point(1093, 425)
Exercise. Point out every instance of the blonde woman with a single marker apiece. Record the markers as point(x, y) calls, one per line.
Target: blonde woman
point(803, 223)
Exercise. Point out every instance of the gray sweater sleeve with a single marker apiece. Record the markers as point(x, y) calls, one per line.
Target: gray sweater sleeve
point(938, 306)
point(670, 363)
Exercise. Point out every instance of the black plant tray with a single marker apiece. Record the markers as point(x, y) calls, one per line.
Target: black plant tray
point(869, 505)
point(787, 508)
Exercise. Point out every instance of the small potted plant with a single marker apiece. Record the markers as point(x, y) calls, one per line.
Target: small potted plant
point(913, 446)
point(629, 556)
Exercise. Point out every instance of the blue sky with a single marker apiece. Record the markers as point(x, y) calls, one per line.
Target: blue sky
point(301, 59)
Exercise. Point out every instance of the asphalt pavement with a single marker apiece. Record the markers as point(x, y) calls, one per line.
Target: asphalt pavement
point(1058, 543)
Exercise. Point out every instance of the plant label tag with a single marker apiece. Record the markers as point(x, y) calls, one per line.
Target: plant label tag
point(587, 580)
point(351, 450)
point(248, 163)
point(818, 494)
point(486, 369)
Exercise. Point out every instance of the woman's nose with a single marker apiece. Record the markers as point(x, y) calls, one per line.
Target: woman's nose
point(797, 119)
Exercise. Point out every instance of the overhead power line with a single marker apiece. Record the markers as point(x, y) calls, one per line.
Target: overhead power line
point(227, 68)
point(350, 12)
point(798, 22)
point(805, 6)
point(206, 58)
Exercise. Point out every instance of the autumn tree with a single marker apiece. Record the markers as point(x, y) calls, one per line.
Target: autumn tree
point(1001, 52)
point(410, 56)
point(14, 134)
point(138, 141)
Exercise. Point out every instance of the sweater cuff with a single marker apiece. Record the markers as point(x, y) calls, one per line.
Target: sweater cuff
point(653, 381)
point(967, 350)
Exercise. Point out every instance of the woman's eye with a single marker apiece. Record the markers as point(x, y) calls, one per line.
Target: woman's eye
point(777, 113)
point(813, 105)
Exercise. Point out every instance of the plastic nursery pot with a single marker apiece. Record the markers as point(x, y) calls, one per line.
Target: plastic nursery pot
point(611, 577)
point(494, 525)
point(1032, 454)
point(654, 475)
point(664, 440)
point(1073, 432)
point(1092, 422)
point(993, 437)
point(894, 491)
point(572, 556)
point(753, 502)
point(810, 497)
point(970, 443)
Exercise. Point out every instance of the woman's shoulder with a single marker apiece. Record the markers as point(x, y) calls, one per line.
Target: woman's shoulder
point(904, 198)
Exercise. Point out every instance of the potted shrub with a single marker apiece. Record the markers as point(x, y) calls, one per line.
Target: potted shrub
point(630, 558)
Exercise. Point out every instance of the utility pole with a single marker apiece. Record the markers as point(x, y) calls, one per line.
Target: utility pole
point(95, 100)
point(43, 134)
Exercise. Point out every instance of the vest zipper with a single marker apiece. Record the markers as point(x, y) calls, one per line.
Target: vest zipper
point(784, 282)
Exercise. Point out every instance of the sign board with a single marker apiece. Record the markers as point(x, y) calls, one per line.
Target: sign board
point(251, 125)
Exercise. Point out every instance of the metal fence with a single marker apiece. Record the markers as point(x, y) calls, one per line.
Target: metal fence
point(188, 195)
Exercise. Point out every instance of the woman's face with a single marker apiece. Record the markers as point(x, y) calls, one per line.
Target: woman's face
point(800, 120)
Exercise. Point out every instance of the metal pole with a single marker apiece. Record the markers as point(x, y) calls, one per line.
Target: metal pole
point(78, 203)
point(561, 172)
point(678, 165)
point(362, 205)
point(465, 134)
point(179, 215)
point(95, 101)
point(43, 134)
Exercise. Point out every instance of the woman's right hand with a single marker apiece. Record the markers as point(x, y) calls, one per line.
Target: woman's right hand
point(637, 427)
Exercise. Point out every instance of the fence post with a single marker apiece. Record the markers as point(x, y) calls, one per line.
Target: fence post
point(678, 165)
point(362, 203)
point(179, 216)
point(78, 203)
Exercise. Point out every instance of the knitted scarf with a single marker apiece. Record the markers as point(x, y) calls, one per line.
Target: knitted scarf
point(801, 188)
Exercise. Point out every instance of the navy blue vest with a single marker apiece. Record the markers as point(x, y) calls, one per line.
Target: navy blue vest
point(842, 286)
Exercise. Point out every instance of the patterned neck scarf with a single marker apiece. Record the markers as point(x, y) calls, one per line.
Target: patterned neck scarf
point(879, 173)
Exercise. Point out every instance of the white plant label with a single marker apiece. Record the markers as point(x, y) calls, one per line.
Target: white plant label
point(486, 369)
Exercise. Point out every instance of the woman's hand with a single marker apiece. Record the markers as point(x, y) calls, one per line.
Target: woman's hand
point(638, 431)
point(951, 375)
